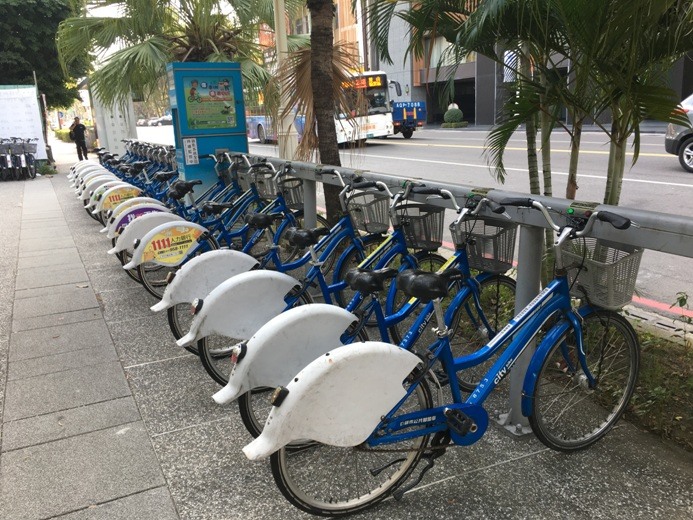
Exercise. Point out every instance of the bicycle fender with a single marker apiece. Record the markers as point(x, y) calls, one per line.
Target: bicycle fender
point(116, 226)
point(98, 193)
point(94, 183)
point(540, 354)
point(181, 237)
point(121, 208)
point(239, 306)
point(284, 345)
point(81, 182)
point(83, 170)
point(82, 165)
point(338, 399)
point(114, 196)
point(198, 277)
point(140, 227)
point(97, 201)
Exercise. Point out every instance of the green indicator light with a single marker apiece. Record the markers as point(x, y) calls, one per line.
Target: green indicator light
point(571, 211)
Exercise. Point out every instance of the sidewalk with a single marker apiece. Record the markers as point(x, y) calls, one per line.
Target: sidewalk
point(104, 417)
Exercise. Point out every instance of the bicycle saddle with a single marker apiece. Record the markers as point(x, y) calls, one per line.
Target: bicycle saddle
point(215, 208)
point(261, 220)
point(368, 282)
point(303, 238)
point(180, 188)
point(165, 176)
point(427, 286)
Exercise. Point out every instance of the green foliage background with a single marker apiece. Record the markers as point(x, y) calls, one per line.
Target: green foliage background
point(27, 44)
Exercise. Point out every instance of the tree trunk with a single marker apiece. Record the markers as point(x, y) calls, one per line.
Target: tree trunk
point(532, 160)
point(572, 186)
point(321, 42)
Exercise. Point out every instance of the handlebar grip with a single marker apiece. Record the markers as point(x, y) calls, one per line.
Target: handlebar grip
point(517, 201)
point(615, 220)
point(195, 182)
point(495, 207)
point(423, 190)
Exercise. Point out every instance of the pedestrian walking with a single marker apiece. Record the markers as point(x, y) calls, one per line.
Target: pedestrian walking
point(79, 133)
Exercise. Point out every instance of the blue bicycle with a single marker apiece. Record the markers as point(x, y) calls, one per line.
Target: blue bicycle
point(577, 386)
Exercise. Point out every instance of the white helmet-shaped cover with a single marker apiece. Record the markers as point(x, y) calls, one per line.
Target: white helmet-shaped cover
point(198, 277)
point(338, 399)
point(284, 345)
point(117, 223)
point(139, 227)
point(238, 307)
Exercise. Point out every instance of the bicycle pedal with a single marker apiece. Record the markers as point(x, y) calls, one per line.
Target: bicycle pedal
point(459, 422)
point(442, 377)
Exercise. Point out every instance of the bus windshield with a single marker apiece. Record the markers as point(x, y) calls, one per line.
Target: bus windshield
point(368, 95)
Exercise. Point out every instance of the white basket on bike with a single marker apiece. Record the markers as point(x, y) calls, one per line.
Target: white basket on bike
point(490, 244)
point(292, 190)
point(244, 179)
point(30, 147)
point(422, 225)
point(266, 185)
point(369, 211)
point(608, 273)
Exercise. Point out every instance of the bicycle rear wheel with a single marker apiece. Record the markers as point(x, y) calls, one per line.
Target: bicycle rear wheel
point(567, 415)
point(331, 481)
point(31, 166)
point(215, 352)
point(179, 321)
point(470, 333)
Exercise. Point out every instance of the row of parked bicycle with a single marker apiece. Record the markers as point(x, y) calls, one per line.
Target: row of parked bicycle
point(393, 366)
point(17, 158)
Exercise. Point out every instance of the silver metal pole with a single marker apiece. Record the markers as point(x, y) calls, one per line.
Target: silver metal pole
point(310, 208)
point(287, 138)
point(528, 284)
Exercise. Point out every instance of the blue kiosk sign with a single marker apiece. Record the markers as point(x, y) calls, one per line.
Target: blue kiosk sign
point(208, 115)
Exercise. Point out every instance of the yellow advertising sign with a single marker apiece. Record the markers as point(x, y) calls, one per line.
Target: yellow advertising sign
point(119, 195)
point(171, 246)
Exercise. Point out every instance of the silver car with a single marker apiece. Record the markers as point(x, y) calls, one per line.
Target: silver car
point(679, 139)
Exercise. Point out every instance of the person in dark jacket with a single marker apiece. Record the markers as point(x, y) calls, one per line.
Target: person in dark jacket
point(80, 133)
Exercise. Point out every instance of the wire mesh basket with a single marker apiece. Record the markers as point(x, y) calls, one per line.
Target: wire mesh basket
point(266, 184)
point(370, 211)
point(244, 179)
point(490, 244)
point(5, 148)
point(30, 147)
point(17, 147)
point(292, 190)
point(422, 225)
point(607, 274)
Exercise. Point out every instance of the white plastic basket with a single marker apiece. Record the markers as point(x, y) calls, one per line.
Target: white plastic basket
point(490, 244)
point(602, 271)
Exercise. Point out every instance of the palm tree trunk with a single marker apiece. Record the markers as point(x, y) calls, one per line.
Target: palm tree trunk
point(532, 160)
point(572, 187)
point(321, 41)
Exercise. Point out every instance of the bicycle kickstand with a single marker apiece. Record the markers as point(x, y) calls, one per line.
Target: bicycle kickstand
point(439, 444)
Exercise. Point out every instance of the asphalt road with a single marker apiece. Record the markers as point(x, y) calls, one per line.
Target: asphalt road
point(656, 182)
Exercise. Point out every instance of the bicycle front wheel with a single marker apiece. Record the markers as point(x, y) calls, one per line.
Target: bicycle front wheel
point(568, 415)
point(330, 481)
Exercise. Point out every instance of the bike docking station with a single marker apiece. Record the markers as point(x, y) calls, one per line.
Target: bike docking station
point(208, 115)
point(662, 232)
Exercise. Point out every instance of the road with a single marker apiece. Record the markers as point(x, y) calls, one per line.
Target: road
point(656, 182)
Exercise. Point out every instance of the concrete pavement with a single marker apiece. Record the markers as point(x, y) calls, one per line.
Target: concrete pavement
point(103, 417)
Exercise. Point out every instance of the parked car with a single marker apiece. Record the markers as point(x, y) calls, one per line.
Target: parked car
point(166, 120)
point(679, 139)
point(141, 122)
point(153, 121)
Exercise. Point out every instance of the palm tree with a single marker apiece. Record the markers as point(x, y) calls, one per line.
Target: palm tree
point(148, 34)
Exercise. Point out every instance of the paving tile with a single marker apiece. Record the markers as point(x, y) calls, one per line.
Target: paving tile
point(45, 244)
point(48, 341)
point(43, 233)
point(68, 256)
point(174, 394)
point(65, 289)
point(64, 390)
point(112, 278)
point(154, 504)
point(75, 299)
point(70, 474)
point(28, 225)
point(19, 325)
point(126, 304)
point(48, 276)
point(59, 362)
point(144, 340)
point(67, 423)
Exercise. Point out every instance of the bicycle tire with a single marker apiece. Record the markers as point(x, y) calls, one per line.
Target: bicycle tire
point(31, 166)
point(215, 351)
point(124, 257)
point(497, 301)
point(154, 276)
point(18, 173)
point(426, 261)
point(300, 473)
point(586, 415)
point(179, 321)
point(254, 406)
